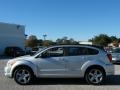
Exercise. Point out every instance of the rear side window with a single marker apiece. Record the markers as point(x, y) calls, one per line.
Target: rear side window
point(88, 51)
point(75, 51)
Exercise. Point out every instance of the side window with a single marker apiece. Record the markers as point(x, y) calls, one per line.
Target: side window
point(73, 51)
point(55, 52)
point(88, 51)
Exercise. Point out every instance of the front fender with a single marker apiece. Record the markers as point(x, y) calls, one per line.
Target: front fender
point(26, 63)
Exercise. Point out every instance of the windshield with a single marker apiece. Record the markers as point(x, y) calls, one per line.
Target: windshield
point(41, 49)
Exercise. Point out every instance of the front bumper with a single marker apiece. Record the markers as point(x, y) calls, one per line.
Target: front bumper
point(7, 72)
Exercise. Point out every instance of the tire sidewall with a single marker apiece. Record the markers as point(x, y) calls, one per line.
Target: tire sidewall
point(89, 82)
point(30, 72)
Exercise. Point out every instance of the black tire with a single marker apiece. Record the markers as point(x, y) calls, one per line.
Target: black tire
point(94, 78)
point(23, 78)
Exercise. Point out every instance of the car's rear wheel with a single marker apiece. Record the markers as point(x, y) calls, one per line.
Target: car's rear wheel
point(23, 75)
point(95, 76)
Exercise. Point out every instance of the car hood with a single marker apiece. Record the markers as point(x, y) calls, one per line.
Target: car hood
point(26, 57)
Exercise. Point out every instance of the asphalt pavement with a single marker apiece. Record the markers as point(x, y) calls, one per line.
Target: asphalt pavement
point(112, 83)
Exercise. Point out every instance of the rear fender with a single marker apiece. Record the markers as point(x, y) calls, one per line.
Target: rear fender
point(91, 63)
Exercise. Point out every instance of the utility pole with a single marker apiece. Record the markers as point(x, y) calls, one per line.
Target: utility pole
point(44, 37)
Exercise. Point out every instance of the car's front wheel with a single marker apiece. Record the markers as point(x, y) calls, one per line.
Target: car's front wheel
point(23, 75)
point(95, 76)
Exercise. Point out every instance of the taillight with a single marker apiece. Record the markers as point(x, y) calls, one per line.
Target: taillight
point(109, 57)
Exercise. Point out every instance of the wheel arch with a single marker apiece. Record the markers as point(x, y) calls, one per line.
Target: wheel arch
point(29, 65)
point(93, 63)
point(23, 66)
point(94, 66)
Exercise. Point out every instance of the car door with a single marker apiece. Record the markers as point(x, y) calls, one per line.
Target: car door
point(51, 63)
point(77, 56)
point(74, 61)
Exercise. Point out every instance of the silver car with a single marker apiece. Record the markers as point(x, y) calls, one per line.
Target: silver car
point(115, 55)
point(63, 61)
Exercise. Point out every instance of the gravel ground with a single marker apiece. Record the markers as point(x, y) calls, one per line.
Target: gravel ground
point(112, 83)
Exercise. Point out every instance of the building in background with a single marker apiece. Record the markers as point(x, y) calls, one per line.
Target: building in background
point(114, 44)
point(85, 42)
point(11, 35)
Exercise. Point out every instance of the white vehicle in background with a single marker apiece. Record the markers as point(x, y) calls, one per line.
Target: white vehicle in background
point(63, 61)
point(37, 49)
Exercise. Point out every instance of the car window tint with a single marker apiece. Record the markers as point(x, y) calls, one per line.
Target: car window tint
point(88, 51)
point(72, 51)
point(75, 51)
point(55, 52)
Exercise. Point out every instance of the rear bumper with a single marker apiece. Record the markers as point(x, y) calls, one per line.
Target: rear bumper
point(110, 69)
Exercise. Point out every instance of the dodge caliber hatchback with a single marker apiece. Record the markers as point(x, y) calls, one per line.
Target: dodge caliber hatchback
point(63, 61)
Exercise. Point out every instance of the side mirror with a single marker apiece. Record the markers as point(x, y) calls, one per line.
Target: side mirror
point(31, 54)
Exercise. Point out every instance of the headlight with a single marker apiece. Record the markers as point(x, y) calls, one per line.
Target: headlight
point(10, 63)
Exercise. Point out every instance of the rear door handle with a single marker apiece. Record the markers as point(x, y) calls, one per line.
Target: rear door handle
point(65, 60)
point(62, 59)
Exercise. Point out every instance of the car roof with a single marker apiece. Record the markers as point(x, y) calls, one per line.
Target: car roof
point(81, 45)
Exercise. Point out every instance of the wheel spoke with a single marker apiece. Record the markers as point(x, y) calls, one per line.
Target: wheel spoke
point(91, 74)
point(96, 72)
point(97, 80)
point(23, 72)
point(92, 78)
point(19, 74)
point(27, 75)
point(20, 79)
point(24, 80)
point(99, 75)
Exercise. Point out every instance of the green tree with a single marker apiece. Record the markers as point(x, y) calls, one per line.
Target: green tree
point(101, 39)
point(114, 38)
point(48, 43)
point(40, 42)
point(32, 41)
point(119, 40)
point(66, 40)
